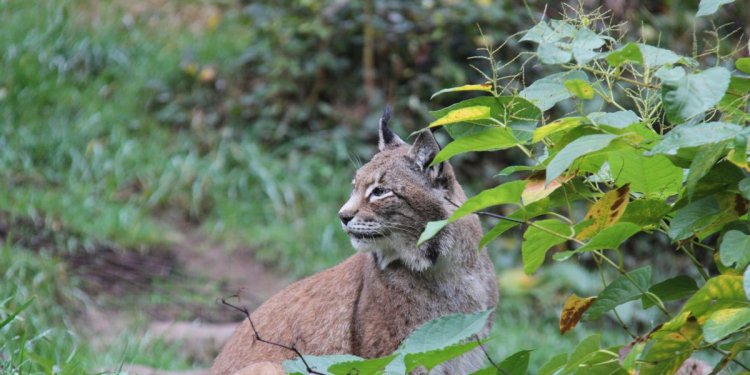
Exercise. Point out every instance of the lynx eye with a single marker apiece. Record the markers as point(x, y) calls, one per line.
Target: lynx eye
point(378, 192)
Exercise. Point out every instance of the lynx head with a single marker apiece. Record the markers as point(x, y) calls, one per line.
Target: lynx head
point(395, 195)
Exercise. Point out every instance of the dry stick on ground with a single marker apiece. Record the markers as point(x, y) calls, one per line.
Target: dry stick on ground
point(257, 335)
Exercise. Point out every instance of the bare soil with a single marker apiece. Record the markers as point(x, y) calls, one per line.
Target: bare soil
point(187, 278)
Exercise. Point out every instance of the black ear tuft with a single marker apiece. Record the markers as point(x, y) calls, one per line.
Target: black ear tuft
point(386, 132)
point(388, 138)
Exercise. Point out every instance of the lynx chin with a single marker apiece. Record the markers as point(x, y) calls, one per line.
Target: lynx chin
point(370, 302)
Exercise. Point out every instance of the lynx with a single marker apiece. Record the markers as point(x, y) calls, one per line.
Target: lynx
point(369, 303)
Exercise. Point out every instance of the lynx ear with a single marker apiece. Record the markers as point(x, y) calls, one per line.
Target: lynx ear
point(388, 139)
point(424, 149)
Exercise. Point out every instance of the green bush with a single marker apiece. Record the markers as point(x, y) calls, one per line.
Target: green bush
point(656, 145)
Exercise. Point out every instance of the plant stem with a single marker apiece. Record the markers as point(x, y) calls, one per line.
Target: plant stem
point(695, 262)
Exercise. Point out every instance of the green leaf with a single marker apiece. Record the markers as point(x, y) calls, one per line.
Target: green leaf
point(432, 228)
point(432, 358)
point(584, 43)
point(464, 114)
point(719, 292)
point(744, 187)
point(524, 213)
point(671, 290)
point(688, 95)
point(548, 91)
point(537, 241)
point(486, 371)
point(583, 350)
point(655, 56)
point(495, 138)
point(444, 331)
point(511, 111)
point(507, 171)
point(486, 87)
point(725, 322)
point(619, 291)
point(509, 192)
point(611, 237)
point(602, 362)
point(732, 205)
point(743, 64)
point(694, 217)
point(653, 176)
point(649, 56)
point(364, 366)
point(684, 136)
point(734, 103)
point(735, 249)
point(738, 155)
point(487, 110)
point(746, 283)
point(618, 120)
point(671, 346)
point(543, 33)
point(702, 163)
point(517, 363)
point(646, 212)
point(629, 362)
point(552, 49)
point(555, 363)
point(581, 146)
point(709, 7)
point(558, 126)
point(628, 54)
point(554, 53)
point(318, 363)
point(579, 88)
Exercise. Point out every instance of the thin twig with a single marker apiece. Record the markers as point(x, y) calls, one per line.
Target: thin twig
point(487, 355)
point(243, 310)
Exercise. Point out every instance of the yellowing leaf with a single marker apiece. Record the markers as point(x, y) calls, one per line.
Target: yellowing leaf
point(719, 292)
point(207, 74)
point(606, 211)
point(671, 345)
point(573, 310)
point(536, 189)
point(579, 88)
point(516, 282)
point(736, 159)
point(725, 322)
point(486, 87)
point(743, 65)
point(738, 155)
point(478, 112)
point(558, 126)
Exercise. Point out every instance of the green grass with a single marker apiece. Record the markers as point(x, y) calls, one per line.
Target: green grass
point(37, 339)
point(80, 148)
point(83, 144)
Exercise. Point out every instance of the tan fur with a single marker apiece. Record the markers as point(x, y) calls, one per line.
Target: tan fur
point(369, 303)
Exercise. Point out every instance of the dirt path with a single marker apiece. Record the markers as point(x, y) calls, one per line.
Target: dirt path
point(234, 268)
point(204, 267)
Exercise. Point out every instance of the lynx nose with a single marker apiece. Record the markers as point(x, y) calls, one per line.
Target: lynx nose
point(345, 217)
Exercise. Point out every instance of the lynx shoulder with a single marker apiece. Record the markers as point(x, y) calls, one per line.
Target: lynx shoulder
point(369, 303)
